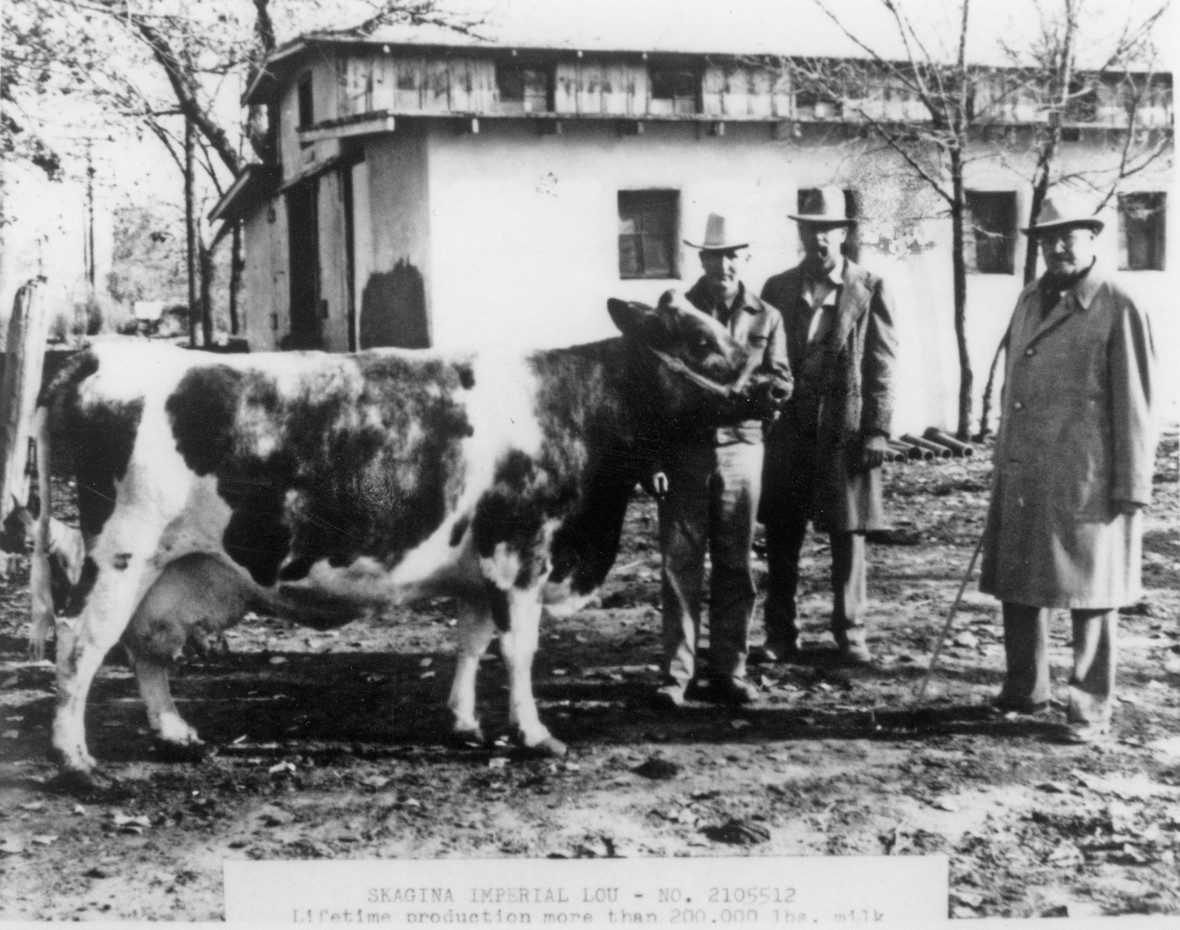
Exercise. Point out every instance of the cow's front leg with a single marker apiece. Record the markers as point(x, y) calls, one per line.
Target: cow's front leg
point(518, 646)
point(475, 634)
point(100, 609)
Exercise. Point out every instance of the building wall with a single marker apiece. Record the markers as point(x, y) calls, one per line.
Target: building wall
point(334, 285)
point(393, 246)
point(265, 297)
point(509, 234)
point(525, 236)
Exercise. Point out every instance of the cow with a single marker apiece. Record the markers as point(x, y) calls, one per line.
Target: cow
point(319, 485)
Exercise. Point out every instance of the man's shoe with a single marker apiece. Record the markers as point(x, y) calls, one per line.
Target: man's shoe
point(852, 647)
point(1085, 734)
point(670, 695)
point(1030, 708)
point(774, 651)
point(733, 691)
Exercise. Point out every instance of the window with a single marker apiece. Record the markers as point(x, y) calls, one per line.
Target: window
point(674, 90)
point(523, 89)
point(306, 107)
point(648, 224)
point(1142, 231)
point(811, 104)
point(991, 239)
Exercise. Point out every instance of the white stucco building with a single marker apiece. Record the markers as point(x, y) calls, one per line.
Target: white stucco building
point(444, 191)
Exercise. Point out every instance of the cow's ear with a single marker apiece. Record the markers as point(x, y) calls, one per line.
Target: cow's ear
point(633, 319)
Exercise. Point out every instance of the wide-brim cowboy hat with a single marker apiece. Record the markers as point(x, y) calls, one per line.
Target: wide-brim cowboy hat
point(718, 238)
point(823, 206)
point(1063, 211)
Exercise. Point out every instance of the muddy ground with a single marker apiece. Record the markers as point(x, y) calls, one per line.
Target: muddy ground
point(332, 745)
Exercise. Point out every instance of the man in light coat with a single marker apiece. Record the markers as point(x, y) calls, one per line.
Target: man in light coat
point(824, 455)
point(1073, 466)
point(713, 485)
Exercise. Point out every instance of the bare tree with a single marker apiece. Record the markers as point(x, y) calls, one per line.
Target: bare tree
point(1120, 84)
point(931, 141)
point(927, 102)
point(158, 67)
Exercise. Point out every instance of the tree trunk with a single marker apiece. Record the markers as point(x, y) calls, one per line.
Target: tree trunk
point(190, 231)
point(959, 274)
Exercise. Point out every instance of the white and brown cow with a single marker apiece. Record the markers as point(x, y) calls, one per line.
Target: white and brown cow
point(321, 484)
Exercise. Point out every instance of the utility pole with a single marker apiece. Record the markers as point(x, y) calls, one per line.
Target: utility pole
point(89, 246)
point(189, 230)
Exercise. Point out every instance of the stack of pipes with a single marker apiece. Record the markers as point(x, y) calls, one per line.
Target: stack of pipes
point(932, 444)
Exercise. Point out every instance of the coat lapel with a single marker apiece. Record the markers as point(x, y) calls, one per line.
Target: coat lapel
point(1075, 300)
point(854, 300)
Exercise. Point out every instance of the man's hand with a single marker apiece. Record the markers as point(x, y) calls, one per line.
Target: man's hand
point(873, 450)
point(767, 398)
point(1128, 508)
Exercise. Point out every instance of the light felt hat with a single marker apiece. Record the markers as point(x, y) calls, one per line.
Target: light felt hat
point(717, 237)
point(1065, 210)
point(825, 206)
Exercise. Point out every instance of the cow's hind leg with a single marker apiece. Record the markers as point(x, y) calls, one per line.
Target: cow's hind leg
point(194, 597)
point(518, 644)
point(475, 634)
point(99, 610)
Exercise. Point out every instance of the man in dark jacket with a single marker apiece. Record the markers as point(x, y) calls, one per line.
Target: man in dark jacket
point(823, 456)
point(713, 486)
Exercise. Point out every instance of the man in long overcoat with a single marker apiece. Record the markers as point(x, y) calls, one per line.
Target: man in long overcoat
point(824, 454)
point(1073, 465)
point(714, 481)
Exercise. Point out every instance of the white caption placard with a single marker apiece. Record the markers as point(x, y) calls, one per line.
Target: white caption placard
point(734, 892)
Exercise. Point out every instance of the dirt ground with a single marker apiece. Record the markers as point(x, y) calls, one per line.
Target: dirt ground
point(332, 745)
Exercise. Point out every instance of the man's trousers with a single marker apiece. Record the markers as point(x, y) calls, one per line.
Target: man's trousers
point(712, 503)
point(1091, 687)
point(784, 543)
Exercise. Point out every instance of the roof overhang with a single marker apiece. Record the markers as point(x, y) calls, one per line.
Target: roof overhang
point(254, 185)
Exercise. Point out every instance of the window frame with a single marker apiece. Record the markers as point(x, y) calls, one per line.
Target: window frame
point(1154, 226)
point(1001, 256)
point(631, 205)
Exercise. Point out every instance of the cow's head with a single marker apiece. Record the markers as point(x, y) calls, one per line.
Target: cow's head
point(685, 339)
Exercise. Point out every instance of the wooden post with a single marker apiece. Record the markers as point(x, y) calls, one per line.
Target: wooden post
point(28, 331)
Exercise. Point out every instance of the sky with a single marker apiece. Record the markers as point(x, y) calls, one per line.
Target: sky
point(795, 26)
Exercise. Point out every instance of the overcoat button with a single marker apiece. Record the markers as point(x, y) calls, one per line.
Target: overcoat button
point(1018, 406)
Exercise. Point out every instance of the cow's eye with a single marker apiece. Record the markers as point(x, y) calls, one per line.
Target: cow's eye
point(704, 344)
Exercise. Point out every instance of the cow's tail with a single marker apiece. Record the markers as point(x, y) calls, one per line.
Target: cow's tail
point(43, 616)
point(58, 549)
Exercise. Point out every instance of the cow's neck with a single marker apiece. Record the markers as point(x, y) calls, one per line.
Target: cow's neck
point(600, 429)
point(594, 398)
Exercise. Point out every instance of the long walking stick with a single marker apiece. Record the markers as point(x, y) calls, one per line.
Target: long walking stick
point(949, 620)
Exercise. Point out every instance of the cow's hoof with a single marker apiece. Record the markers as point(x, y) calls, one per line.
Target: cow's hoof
point(468, 738)
point(88, 785)
point(195, 751)
point(548, 748)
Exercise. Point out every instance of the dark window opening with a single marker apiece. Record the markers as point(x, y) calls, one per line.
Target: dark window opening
point(648, 225)
point(675, 90)
point(811, 104)
point(306, 107)
point(1142, 231)
point(1082, 106)
point(523, 88)
point(991, 239)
